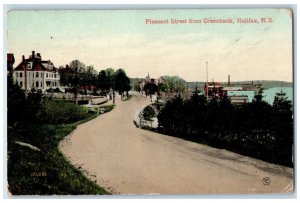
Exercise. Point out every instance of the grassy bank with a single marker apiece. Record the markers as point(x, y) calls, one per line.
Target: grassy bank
point(45, 171)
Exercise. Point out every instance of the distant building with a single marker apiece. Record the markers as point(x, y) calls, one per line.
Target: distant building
point(147, 79)
point(240, 99)
point(213, 89)
point(238, 94)
point(36, 73)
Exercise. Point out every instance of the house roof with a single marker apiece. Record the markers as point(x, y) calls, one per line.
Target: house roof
point(37, 65)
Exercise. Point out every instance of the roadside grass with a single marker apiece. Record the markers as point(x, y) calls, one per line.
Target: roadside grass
point(46, 172)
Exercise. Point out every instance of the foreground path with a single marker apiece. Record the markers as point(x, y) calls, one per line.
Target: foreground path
point(127, 160)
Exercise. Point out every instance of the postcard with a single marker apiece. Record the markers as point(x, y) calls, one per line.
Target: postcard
point(150, 102)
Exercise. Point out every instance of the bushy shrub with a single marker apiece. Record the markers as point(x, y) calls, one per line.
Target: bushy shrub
point(148, 113)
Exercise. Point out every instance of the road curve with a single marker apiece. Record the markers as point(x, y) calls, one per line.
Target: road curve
point(128, 160)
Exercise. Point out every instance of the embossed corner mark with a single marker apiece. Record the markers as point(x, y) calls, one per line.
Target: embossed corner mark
point(266, 181)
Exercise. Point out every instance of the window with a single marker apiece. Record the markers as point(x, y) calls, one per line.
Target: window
point(46, 75)
point(21, 84)
point(29, 65)
point(21, 75)
point(41, 84)
point(37, 83)
point(37, 74)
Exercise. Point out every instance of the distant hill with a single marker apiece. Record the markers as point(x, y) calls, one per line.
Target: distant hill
point(266, 84)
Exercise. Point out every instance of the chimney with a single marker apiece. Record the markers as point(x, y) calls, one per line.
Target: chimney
point(67, 66)
point(23, 58)
point(228, 80)
point(32, 54)
point(39, 56)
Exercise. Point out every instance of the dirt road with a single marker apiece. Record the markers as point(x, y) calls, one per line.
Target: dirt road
point(128, 160)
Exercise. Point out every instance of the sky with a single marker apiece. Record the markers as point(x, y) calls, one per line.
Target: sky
point(122, 39)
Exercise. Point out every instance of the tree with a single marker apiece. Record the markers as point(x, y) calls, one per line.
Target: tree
point(73, 76)
point(170, 116)
point(150, 89)
point(34, 99)
point(198, 109)
point(212, 119)
point(148, 114)
point(109, 71)
point(21, 108)
point(173, 84)
point(281, 102)
point(282, 127)
point(137, 87)
point(15, 102)
point(258, 96)
point(162, 87)
point(122, 82)
point(63, 75)
point(90, 77)
point(104, 80)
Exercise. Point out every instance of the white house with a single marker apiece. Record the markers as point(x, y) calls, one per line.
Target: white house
point(36, 73)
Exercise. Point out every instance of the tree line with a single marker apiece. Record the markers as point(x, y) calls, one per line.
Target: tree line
point(81, 78)
point(255, 129)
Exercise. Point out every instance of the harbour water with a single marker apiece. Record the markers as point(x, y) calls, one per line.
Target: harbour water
point(268, 94)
